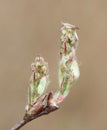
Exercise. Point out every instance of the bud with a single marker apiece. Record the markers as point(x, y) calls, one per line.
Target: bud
point(68, 66)
point(38, 83)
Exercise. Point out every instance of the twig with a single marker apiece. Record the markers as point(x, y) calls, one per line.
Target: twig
point(19, 125)
point(27, 118)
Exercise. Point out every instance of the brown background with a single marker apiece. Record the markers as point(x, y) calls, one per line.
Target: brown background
point(31, 27)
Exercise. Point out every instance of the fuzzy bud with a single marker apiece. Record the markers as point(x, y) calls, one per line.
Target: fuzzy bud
point(68, 66)
point(38, 83)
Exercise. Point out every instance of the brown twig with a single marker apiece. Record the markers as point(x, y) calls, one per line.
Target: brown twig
point(27, 118)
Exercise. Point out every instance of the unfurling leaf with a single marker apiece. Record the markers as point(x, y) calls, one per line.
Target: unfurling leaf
point(68, 66)
point(38, 83)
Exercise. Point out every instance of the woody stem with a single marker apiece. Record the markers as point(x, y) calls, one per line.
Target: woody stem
point(23, 122)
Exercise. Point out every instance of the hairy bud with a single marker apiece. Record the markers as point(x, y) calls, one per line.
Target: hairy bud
point(68, 66)
point(38, 83)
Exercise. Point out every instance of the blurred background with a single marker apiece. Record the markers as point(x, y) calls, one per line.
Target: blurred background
point(32, 27)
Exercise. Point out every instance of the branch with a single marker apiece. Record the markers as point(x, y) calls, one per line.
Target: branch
point(27, 118)
point(19, 125)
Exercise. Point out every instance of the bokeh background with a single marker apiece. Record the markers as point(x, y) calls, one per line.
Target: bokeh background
point(32, 27)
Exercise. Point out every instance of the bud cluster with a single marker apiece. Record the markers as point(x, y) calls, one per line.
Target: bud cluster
point(39, 102)
point(67, 75)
